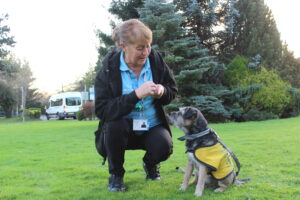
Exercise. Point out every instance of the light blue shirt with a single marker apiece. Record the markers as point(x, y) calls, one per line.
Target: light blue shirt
point(130, 82)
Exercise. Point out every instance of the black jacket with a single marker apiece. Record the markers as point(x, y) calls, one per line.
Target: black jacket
point(111, 105)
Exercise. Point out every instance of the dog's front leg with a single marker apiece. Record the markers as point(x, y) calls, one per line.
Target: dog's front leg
point(201, 180)
point(188, 173)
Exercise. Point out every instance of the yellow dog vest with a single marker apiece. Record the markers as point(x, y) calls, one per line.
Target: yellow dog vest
point(217, 159)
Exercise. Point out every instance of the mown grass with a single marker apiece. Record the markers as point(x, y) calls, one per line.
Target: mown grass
point(57, 160)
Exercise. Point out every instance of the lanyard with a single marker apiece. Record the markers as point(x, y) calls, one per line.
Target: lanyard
point(140, 105)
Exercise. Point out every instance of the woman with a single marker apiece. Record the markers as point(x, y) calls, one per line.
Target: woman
point(130, 90)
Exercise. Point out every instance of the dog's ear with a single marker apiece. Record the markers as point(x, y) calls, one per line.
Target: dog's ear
point(190, 113)
point(201, 122)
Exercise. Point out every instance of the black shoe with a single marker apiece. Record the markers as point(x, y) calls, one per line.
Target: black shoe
point(116, 183)
point(151, 172)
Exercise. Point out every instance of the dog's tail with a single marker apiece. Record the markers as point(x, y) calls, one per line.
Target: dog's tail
point(241, 181)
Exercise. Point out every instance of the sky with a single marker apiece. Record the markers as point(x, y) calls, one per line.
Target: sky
point(57, 37)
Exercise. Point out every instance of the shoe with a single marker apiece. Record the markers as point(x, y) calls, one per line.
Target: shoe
point(116, 183)
point(152, 173)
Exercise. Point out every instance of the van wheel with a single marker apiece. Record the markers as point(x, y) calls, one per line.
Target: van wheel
point(60, 117)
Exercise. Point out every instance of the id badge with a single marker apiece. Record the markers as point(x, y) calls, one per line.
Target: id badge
point(140, 125)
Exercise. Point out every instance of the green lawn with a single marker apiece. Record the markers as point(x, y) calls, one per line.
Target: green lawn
point(57, 160)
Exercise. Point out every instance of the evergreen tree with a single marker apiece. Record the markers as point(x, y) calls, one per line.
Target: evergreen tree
point(210, 20)
point(289, 69)
point(256, 33)
point(125, 10)
point(7, 98)
point(5, 41)
point(194, 70)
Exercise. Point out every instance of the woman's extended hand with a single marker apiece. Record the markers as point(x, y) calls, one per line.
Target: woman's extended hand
point(159, 91)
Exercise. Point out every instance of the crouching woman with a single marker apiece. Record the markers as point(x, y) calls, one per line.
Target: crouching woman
point(131, 89)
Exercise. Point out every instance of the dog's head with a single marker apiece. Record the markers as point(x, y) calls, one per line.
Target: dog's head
point(188, 119)
point(191, 121)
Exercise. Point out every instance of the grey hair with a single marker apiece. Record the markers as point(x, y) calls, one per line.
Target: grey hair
point(130, 31)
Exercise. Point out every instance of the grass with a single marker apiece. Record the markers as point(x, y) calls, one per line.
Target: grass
point(4, 120)
point(58, 160)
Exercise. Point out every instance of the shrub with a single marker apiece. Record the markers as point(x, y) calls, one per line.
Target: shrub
point(273, 96)
point(80, 115)
point(88, 110)
point(255, 115)
point(34, 113)
point(293, 109)
point(236, 71)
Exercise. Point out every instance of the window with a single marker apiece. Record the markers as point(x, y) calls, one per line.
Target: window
point(73, 101)
point(57, 102)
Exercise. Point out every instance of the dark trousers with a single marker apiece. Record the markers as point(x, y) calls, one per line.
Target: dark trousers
point(119, 137)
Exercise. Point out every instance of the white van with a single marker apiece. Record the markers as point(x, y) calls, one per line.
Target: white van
point(64, 105)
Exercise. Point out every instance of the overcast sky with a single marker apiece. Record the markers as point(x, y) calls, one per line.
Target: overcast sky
point(57, 37)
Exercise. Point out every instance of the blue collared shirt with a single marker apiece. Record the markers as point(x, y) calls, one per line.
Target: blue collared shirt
point(130, 82)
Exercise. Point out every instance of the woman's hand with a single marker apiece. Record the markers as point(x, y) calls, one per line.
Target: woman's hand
point(147, 89)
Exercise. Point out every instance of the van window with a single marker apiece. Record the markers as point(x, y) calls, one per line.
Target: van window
point(57, 102)
point(73, 101)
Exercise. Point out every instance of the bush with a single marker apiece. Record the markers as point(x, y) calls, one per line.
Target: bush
point(293, 109)
point(236, 70)
point(34, 113)
point(255, 115)
point(80, 115)
point(273, 97)
point(88, 110)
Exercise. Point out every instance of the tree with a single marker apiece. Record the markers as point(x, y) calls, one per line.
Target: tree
point(255, 32)
point(186, 56)
point(289, 68)
point(125, 10)
point(5, 41)
point(7, 99)
point(85, 82)
point(212, 21)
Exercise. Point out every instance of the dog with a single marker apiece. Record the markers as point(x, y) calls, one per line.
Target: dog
point(214, 162)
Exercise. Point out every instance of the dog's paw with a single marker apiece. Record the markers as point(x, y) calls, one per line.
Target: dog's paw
point(198, 193)
point(183, 187)
point(220, 189)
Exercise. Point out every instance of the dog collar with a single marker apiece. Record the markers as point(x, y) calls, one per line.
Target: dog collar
point(194, 136)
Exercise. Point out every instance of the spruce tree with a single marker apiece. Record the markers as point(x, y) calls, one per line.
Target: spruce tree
point(125, 10)
point(196, 73)
point(210, 20)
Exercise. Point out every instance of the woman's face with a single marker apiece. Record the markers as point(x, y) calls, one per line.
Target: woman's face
point(137, 53)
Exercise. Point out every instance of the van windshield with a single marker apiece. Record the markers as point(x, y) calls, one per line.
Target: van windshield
point(57, 102)
point(73, 101)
